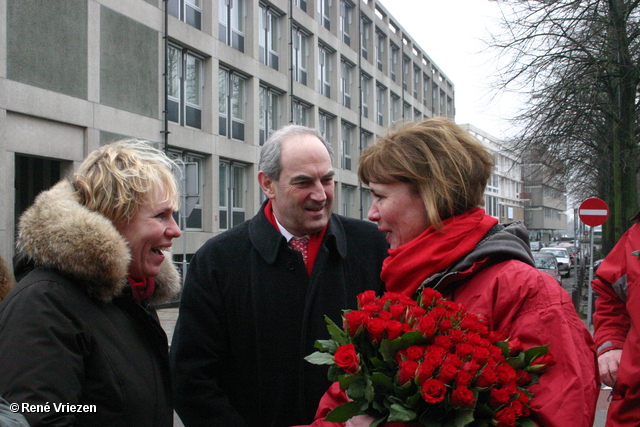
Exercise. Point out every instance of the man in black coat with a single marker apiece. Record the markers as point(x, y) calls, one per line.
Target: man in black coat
point(252, 306)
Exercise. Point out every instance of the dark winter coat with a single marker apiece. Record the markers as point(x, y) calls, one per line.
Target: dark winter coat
point(250, 313)
point(71, 335)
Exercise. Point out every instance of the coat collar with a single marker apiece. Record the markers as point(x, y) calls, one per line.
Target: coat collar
point(263, 235)
point(58, 232)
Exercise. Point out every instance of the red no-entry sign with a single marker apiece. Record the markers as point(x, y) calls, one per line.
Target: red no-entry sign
point(593, 212)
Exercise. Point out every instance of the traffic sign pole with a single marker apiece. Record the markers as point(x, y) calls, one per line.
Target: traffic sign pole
point(592, 212)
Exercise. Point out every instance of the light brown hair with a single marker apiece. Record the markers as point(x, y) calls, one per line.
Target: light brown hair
point(117, 178)
point(445, 164)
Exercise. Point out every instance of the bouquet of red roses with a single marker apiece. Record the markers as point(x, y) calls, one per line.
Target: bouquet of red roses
point(428, 362)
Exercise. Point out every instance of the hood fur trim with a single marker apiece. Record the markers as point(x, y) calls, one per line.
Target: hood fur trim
point(60, 233)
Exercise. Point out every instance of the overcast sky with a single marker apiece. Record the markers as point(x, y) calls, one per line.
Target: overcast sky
point(449, 32)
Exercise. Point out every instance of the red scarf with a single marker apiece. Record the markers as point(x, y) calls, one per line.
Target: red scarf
point(142, 289)
point(410, 264)
point(315, 240)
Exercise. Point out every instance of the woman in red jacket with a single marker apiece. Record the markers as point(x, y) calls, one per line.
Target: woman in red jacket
point(427, 180)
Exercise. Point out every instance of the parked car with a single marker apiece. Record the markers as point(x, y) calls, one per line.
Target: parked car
point(549, 264)
point(573, 252)
point(536, 246)
point(564, 260)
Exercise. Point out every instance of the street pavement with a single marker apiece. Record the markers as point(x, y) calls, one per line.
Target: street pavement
point(168, 317)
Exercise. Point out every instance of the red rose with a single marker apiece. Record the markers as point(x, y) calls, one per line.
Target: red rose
point(445, 325)
point(347, 358)
point(406, 371)
point(487, 378)
point(376, 328)
point(469, 322)
point(425, 371)
point(443, 341)
point(515, 346)
point(428, 295)
point(416, 312)
point(464, 350)
point(365, 298)
point(453, 359)
point(542, 363)
point(427, 326)
point(471, 367)
point(506, 374)
point(463, 378)
point(456, 335)
point(506, 417)
point(447, 373)
point(495, 336)
point(473, 338)
point(353, 320)
point(435, 355)
point(524, 378)
point(415, 352)
point(499, 397)
point(462, 397)
point(397, 311)
point(433, 391)
point(439, 312)
point(480, 354)
point(394, 329)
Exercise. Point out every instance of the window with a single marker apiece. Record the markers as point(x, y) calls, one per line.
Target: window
point(231, 21)
point(365, 139)
point(406, 111)
point(324, 9)
point(194, 220)
point(346, 18)
point(380, 95)
point(233, 193)
point(325, 126)
point(348, 196)
point(269, 40)
point(300, 55)
point(416, 81)
point(380, 42)
point(442, 102)
point(406, 67)
point(324, 71)
point(301, 113)
point(346, 82)
point(189, 11)
point(185, 87)
point(347, 145)
point(393, 61)
point(302, 4)
point(270, 114)
point(365, 31)
point(365, 82)
point(395, 107)
point(232, 104)
point(365, 202)
point(449, 106)
point(425, 89)
point(434, 96)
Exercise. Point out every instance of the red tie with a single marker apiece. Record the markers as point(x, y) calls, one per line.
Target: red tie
point(300, 244)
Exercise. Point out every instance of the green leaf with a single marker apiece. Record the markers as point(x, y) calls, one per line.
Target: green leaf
point(398, 412)
point(504, 346)
point(379, 422)
point(342, 413)
point(347, 380)
point(526, 423)
point(356, 389)
point(388, 348)
point(320, 358)
point(535, 352)
point(326, 345)
point(380, 379)
point(338, 335)
point(463, 418)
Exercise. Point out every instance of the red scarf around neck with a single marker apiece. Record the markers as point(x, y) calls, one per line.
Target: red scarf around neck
point(315, 240)
point(142, 289)
point(410, 264)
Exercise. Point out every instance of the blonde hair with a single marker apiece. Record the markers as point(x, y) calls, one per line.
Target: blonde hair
point(447, 166)
point(117, 178)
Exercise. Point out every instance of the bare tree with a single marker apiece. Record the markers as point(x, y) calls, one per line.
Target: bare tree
point(578, 62)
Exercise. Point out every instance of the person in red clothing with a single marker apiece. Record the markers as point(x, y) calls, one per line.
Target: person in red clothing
point(616, 321)
point(427, 180)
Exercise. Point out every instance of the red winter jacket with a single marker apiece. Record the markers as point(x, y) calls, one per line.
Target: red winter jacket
point(616, 322)
point(522, 302)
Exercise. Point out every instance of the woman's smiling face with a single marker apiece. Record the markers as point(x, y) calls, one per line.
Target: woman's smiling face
point(399, 211)
point(148, 235)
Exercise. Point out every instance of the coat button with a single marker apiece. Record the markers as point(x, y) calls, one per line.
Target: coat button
point(290, 266)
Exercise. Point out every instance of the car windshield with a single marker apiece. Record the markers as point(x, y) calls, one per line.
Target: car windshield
point(557, 252)
point(545, 263)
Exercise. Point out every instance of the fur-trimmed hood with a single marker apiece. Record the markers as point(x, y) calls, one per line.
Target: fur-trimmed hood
point(59, 233)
